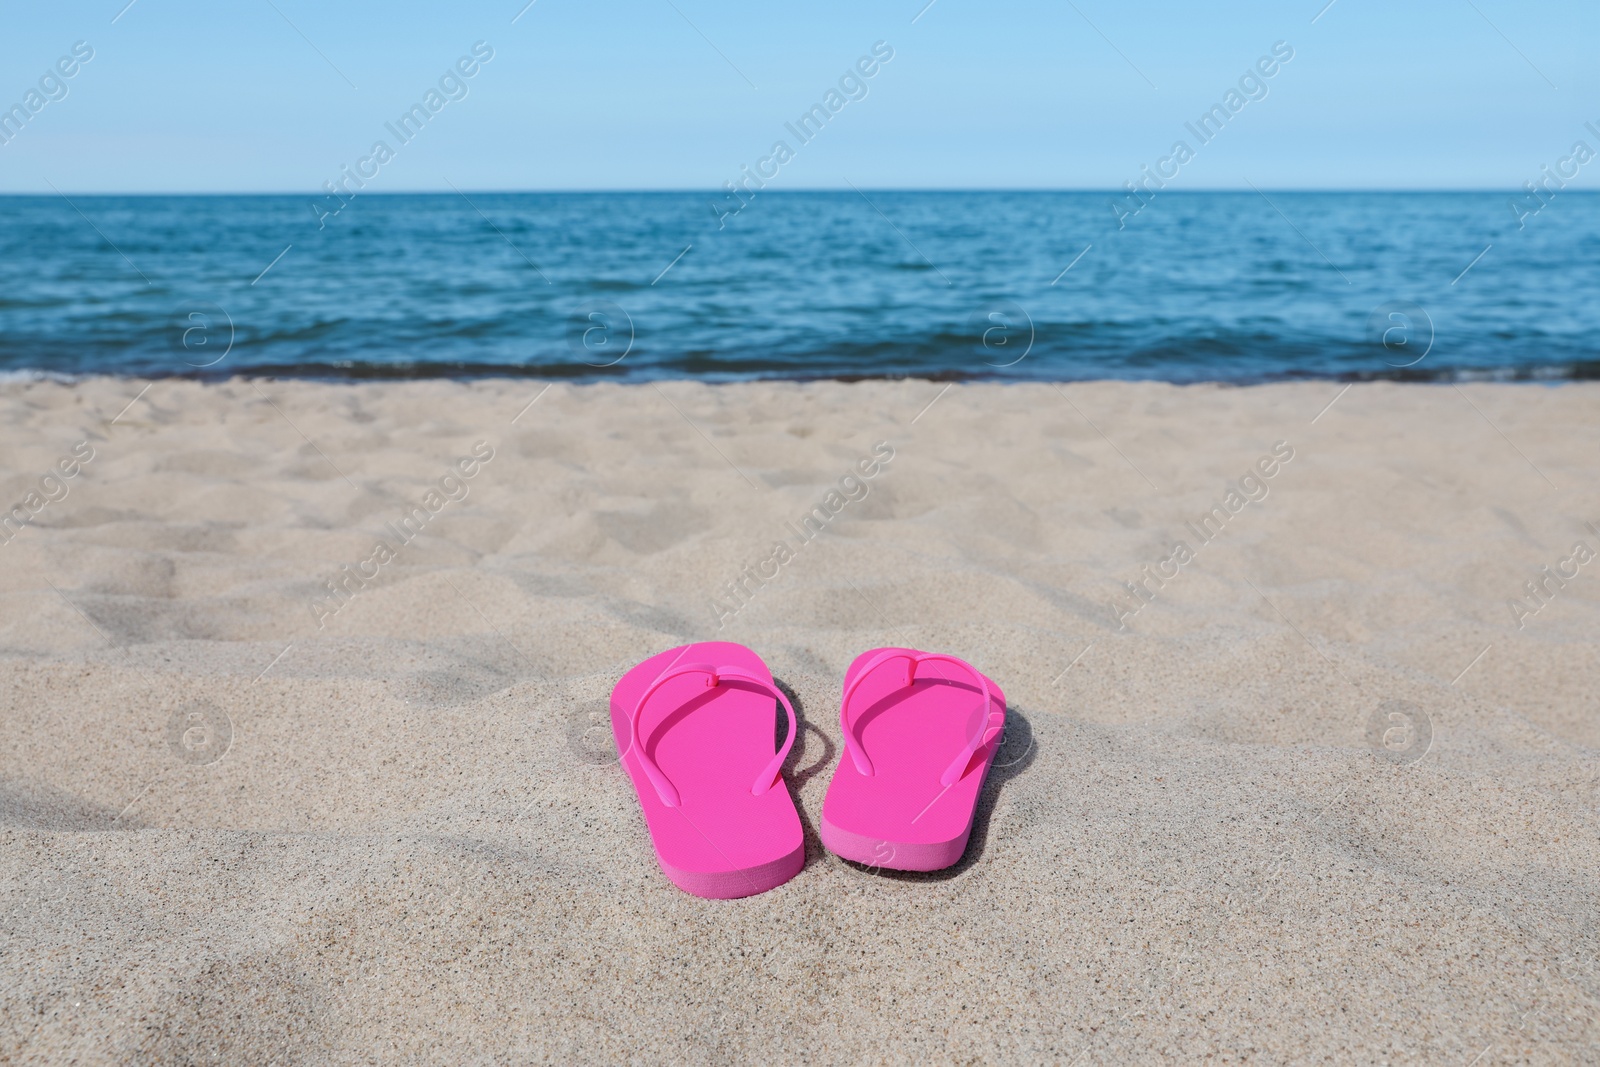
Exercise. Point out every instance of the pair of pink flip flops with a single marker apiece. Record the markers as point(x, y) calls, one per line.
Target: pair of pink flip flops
point(696, 728)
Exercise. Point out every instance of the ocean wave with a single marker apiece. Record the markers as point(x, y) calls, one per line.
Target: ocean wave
point(945, 286)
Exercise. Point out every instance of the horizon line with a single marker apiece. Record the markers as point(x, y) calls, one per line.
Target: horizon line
point(846, 190)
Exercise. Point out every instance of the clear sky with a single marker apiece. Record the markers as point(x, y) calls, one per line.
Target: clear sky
point(278, 95)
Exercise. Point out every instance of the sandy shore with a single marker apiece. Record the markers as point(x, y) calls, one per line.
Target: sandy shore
point(1317, 789)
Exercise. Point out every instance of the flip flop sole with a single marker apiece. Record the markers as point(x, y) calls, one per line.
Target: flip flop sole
point(902, 817)
point(720, 841)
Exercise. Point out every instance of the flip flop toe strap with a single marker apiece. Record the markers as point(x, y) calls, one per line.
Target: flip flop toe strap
point(958, 767)
point(715, 676)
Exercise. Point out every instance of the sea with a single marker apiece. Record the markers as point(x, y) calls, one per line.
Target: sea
point(1238, 287)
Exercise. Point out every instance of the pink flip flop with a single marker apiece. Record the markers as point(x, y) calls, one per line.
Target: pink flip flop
point(917, 750)
point(719, 814)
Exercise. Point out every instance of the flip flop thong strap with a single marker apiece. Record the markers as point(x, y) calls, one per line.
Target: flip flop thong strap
point(958, 767)
point(714, 677)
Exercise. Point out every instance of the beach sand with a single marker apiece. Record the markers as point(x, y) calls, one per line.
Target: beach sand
point(1326, 795)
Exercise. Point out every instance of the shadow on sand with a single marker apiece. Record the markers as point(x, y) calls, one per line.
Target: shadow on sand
point(798, 776)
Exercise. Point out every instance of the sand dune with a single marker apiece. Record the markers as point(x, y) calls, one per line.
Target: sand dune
point(1317, 791)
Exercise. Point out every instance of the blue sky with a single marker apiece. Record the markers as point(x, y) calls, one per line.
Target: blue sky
point(277, 95)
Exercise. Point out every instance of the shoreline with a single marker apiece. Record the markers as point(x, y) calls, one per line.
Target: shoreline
point(1509, 375)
